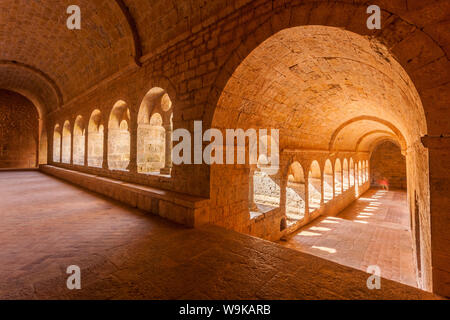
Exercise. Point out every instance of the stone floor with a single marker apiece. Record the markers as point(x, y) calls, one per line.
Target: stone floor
point(47, 225)
point(374, 230)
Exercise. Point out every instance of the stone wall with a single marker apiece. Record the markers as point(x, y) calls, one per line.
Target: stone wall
point(388, 163)
point(19, 128)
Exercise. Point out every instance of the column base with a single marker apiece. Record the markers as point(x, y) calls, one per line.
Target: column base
point(132, 168)
point(165, 171)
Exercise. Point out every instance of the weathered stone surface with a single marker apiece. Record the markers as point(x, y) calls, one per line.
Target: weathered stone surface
point(19, 128)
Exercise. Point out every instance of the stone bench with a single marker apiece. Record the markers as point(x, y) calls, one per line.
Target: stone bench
point(188, 210)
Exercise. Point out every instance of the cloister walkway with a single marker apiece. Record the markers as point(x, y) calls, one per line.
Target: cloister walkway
point(48, 225)
point(374, 230)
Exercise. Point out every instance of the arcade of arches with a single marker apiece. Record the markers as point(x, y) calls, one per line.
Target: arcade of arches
point(358, 112)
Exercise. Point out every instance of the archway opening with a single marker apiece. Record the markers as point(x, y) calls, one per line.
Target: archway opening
point(57, 143)
point(154, 133)
point(388, 167)
point(66, 143)
point(328, 98)
point(119, 137)
point(345, 176)
point(264, 190)
point(314, 186)
point(338, 177)
point(95, 139)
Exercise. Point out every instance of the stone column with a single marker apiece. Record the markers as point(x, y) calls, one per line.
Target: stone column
point(132, 166)
point(86, 146)
point(307, 198)
point(322, 188)
point(60, 145)
point(72, 133)
point(334, 183)
point(168, 151)
point(50, 142)
point(283, 194)
point(38, 142)
point(251, 192)
point(105, 148)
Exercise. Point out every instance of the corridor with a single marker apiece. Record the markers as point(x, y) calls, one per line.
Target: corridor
point(124, 253)
point(374, 230)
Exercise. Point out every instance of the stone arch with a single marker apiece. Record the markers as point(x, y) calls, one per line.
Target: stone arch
point(380, 140)
point(95, 139)
point(396, 132)
point(54, 101)
point(367, 170)
point(110, 46)
point(119, 138)
point(369, 137)
point(66, 145)
point(232, 92)
point(154, 132)
point(264, 188)
point(79, 140)
point(314, 186)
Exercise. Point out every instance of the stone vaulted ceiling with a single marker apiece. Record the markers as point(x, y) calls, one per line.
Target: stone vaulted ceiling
point(51, 65)
point(323, 87)
point(39, 54)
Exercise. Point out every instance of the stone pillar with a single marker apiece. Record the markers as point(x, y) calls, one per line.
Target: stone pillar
point(349, 177)
point(132, 166)
point(322, 188)
point(168, 151)
point(72, 133)
point(105, 148)
point(307, 198)
point(60, 145)
point(251, 192)
point(86, 145)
